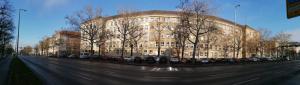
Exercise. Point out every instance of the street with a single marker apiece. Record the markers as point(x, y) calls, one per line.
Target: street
point(4, 69)
point(56, 71)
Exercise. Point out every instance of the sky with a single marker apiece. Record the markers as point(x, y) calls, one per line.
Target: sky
point(44, 17)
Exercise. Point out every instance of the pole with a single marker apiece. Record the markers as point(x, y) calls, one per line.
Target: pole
point(235, 26)
point(19, 30)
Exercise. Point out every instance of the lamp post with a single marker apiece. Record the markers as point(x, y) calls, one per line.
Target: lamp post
point(235, 26)
point(20, 10)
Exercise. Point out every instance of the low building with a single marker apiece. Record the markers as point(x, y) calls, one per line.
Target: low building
point(65, 43)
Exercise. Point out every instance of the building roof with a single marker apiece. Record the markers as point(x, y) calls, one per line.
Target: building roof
point(71, 34)
point(163, 12)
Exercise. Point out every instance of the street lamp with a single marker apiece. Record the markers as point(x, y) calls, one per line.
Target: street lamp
point(235, 25)
point(20, 10)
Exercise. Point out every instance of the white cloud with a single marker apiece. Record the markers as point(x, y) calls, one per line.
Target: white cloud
point(295, 34)
point(54, 3)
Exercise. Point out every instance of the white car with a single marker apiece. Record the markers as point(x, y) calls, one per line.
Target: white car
point(174, 60)
point(254, 59)
point(84, 55)
point(129, 59)
point(204, 60)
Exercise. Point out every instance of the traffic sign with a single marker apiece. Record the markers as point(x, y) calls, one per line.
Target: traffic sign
point(293, 8)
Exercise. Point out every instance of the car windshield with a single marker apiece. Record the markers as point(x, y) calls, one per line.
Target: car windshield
point(149, 42)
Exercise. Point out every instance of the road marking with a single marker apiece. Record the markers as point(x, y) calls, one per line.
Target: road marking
point(223, 74)
point(162, 77)
point(83, 74)
point(85, 77)
point(243, 82)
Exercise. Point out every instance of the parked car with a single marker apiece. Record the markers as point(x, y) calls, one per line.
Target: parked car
point(204, 60)
point(212, 60)
point(254, 59)
point(129, 59)
point(137, 60)
point(84, 55)
point(72, 56)
point(244, 60)
point(150, 60)
point(174, 60)
point(163, 60)
point(222, 60)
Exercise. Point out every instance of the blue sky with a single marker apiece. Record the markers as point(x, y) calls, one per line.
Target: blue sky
point(45, 16)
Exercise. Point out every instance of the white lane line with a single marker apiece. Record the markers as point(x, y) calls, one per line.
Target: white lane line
point(85, 77)
point(162, 77)
point(83, 74)
point(243, 82)
point(223, 74)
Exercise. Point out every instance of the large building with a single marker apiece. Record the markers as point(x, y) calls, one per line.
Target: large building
point(148, 44)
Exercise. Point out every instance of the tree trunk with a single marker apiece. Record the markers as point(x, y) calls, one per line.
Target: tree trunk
point(182, 52)
point(99, 49)
point(92, 48)
point(158, 50)
point(131, 50)
point(123, 47)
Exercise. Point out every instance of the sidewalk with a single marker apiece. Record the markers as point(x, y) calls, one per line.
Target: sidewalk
point(4, 68)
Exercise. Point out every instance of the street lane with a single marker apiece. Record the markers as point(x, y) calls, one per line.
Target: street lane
point(4, 69)
point(69, 72)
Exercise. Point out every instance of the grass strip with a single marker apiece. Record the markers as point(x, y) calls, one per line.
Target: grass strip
point(20, 74)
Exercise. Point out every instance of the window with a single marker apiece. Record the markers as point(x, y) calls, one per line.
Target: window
point(168, 43)
point(145, 51)
point(162, 43)
point(201, 45)
point(141, 45)
point(156, 44)
point(172, 43)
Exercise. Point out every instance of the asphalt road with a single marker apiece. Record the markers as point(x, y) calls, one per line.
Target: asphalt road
point(75, 72)
point(4, 69)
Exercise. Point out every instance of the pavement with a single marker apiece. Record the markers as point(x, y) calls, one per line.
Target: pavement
point(57, 71)
point(4, 69)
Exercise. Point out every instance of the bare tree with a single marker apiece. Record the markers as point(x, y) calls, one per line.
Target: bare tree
point(89, 22)
point(103, 36)
point(237, 42)
point(6, 26)
point(134, 37)
point(282, 39)
point(126, 25)
point(212, 36)
point(27, 50)
point(225, 43)
point(158, 26)
point(197, 12)
point(263, 38)
point(180, 32)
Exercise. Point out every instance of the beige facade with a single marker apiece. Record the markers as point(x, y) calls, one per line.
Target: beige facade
point(147, 45)
point(64, 43)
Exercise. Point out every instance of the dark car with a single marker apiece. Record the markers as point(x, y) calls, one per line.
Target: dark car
point(212, 60)
point(222, 60)
point(244, 60)
point(137, 60)
point(163, 60)
point(150, 60)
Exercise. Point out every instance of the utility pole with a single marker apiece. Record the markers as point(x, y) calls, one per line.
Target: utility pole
point(19, 30)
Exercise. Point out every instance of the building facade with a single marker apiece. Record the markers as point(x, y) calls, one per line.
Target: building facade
point(64, 43)
point(148, 44)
